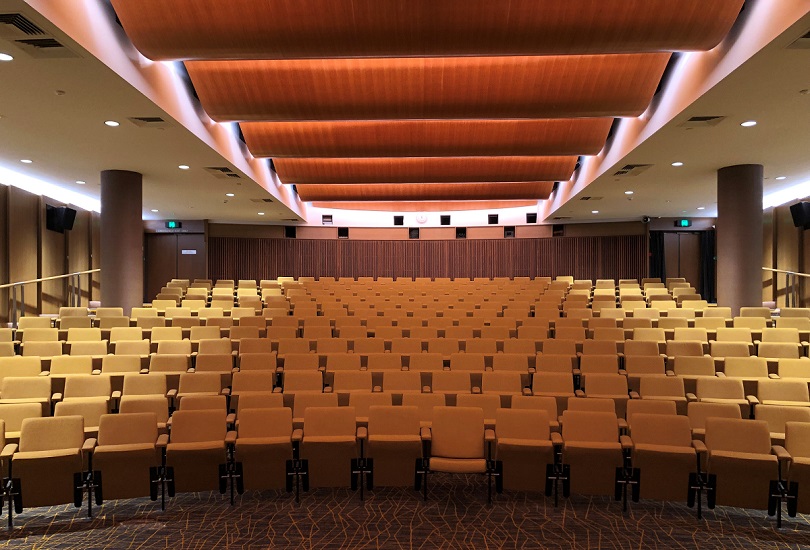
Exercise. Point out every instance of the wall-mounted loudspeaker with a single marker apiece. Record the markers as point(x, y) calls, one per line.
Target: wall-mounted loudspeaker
point(343, 232)
point(801, 214)
point(461, 232)
point(445, 219)
point(59, 218)
point(399, 220)
point(557, 230)
point(413, 233)
point(645, 219)
point(531, 217)
point(289, 231)
point(509, 232)
point(492, 219)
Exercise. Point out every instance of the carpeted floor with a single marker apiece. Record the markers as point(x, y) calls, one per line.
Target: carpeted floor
point(455, 516)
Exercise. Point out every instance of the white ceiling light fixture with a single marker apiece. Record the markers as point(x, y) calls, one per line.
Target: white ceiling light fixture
point(5, 57)
point(229, 195)
point(748, 123)
point(183, 167)
point(780, 178)
point(628, 192)
point(155, 210)
point(261, 213)
point(594, 211)
point(26, 161)
point(677, 164)
point(80, 182)
point(701, 208)
point(112, 123)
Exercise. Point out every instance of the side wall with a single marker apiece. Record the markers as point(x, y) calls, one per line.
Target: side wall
point(786, 247)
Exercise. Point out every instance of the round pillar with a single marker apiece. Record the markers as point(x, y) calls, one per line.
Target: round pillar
point(121, 239)
point(739, 236)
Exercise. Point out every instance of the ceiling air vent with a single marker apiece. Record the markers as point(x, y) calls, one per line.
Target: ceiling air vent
point(631, 170)
point(561, 218)
point(222, 172)
point(591, 198)
point(702, 121)
point(149, 122)
point(801, 43)
point(44, 48)
point(262, 200)
point(15, 26)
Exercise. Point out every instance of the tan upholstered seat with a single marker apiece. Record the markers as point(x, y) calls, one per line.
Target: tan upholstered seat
point(740, 456)
point(425, 403)
point(524, 445)
point(777, 416)
point(329, 444)
point(128, 446)
point(592, 450)
point(797, 443)
point(394, 444)
point(458, 440)
point(196, 449)
point(263, 446)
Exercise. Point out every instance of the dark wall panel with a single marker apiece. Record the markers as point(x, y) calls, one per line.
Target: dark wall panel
point(584, 257)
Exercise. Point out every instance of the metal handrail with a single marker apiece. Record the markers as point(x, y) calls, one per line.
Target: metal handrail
point(74, 290)
point(792, 284)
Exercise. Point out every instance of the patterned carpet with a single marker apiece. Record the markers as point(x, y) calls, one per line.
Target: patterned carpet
point(455, 516)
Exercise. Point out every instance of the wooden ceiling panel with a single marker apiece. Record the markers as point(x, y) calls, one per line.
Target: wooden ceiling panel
point(423, 169)
point(428, 88)
point(426, 191)
point(289, 29)
point(419, 138)
point(422, 206)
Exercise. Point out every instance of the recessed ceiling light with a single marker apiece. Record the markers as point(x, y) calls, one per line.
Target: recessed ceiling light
point(80, 182)
point(229, 195)
point(155, 210)
point(111, 123)
point(261, 213)
point(701, 208)
point(676, 164)
point(628, 192)
point(748, 123)
point(5, 57)
point(183, 167)
point(26, 161)
point(780, 178)
point(594, 211)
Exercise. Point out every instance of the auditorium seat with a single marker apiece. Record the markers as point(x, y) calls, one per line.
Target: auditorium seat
point(559, 385)
point(303, 401)
point(797, 444)
point(258, 361)
point(329, 444)
point(777, 415)
point(699, 412)
point(524, 444)
point(394, 444)
point(638, 367)
point(196, 449)
point(592, 450)
point(12, 416)
point(425, 403)
point(610, 386)
point(665, 388)
point(263, 446)
point(649, 406)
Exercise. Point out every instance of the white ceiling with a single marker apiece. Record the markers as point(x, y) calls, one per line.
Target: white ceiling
point(65, 136)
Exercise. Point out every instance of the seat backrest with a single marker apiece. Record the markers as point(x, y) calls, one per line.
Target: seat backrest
point(200, 382)
point(685, 365)
point(559, 347)
point(329, 421)
point(742, 436)
point(746, 367)
point(257, 361)
point(531, 424)
point(553, 382)
point(426, 362)
point(780, 335)
point(661, 429)
point(798, 322)
point(797, 439)
point(649, 406)
point(763, 312)
point(644, 364)
point(174, 347)
point(91, 411)
point(276, 422)
point(362, 401)
point(155, 404)
point(303, 401)
point(595, 404)
point(661, 386)
point(793, 368)
point(752, 323)
point(778, 415)
point(65, 364)
point(20, 366)
point(425, 402)
point(467, 362)
point(787, 350)
point(604, 364)
point(218, 346)
point(720, 388)
point(13, 414)
point(699, 412)
point(262, 400)
point(51, 434)
point(649, 334)
point(458, 432)
point(450, 381)
point(352, 380)
point(37, 387)
point(144, 384)
point(303, 381)
point(389, 420)
point(198, 426)
point(127, 429)
point(252, 381)
point(735, 334)
point(398, 381)
point(160, 334)
point(509, 382)
point(169, 363)
point(783, 390)
point(489, 403)
point(687, 348)
point(588, 426)
point(87, 386)
point(343, 361)
point(383, 362)
point(548, 404)
point(600, 347)
point(691, 334)
point(84, 335)
point(606, 384)
point(730, 349)
point(640, 347)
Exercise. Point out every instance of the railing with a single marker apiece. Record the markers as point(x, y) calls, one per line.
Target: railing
point(792, 298)
point(74, 291)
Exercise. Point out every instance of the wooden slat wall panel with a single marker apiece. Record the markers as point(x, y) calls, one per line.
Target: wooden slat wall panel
point(583, 257)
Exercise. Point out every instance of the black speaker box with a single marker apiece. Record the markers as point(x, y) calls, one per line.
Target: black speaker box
point(801, 214)
point(289, 231)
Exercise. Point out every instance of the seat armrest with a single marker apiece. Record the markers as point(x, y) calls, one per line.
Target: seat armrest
point(8, 451)
point(144, 371)
point(225, 391)
point(89, 445)
point(700, 447)
point(425, 389)
point(230, 419)
point(752, 399)
point(626, 442)
point(579, 393)
point(376, 389)
point(576, 372)
point(691, 397)
point(556, 439)
point(362, 433)
point(327, 389)
point(297, 434)
point(527, 391)
point(720, 374)
point(191, 370)
point(476, 390)
point(171, 394)
point(162, 441)
point(773, 376)
point(230, 437)
point(169, 423)
point(781, 453)
point(634, 395)
point(277, 389)
point(96, 371)
point(670, 372)
point(56, 397)
point(116, 394)
point(45, 373)
point(425, 433)
point(623, 372)
point(489, 435)
point(622, 424)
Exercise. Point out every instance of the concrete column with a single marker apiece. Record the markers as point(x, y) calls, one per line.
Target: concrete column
point(739, 236)
point(121, 239)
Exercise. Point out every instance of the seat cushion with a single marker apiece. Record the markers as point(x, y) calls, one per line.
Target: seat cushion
point(458, 465)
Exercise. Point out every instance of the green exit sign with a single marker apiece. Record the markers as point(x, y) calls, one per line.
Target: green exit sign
point(683, 223)
point(173, 224)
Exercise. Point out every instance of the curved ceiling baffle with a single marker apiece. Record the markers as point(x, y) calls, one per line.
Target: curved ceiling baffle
point(368, 102)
